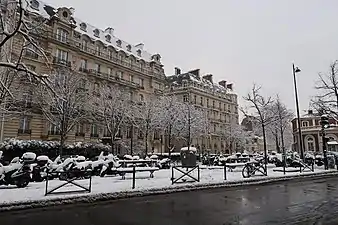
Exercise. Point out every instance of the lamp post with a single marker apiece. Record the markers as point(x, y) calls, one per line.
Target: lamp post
point(297, 70)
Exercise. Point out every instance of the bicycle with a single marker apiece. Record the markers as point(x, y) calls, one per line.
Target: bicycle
point(251, 168)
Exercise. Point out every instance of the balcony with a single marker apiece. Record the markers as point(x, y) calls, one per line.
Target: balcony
point(103, 54)
point(59, 61)
point(53, 132)
point(24, 131)
point(94, 135)
point(79, 134)
point(84, 70)
point(31, 54)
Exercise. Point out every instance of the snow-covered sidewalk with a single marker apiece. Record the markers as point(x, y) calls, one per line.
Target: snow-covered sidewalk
point(114, 185)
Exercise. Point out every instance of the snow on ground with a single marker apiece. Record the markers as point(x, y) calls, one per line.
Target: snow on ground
point(114, 184)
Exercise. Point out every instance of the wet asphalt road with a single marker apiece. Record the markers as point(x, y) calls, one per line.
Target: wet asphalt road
point(306, 202)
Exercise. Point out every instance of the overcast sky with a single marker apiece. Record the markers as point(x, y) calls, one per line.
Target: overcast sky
point(242, 41)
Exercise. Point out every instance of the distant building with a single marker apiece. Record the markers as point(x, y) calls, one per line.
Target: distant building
point(311, 133)
point(218, 99)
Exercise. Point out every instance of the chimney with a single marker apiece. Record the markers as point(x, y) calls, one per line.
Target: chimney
point(310, 112)
point(208, 77)
point(177, 71)
point(109, 30)
point(230, 86)
point(223, 83)
point(139, 46)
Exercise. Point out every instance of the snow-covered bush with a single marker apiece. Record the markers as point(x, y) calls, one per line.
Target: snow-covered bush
point(13, 147)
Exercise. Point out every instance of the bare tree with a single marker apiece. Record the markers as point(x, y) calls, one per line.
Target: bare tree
point(194, 123)
point(149, 118)
point(264, 115)
point(64, 102)
point(235, 135)
point(280, 126)
point(172, 115)
point(113, 107)
point(327, 99)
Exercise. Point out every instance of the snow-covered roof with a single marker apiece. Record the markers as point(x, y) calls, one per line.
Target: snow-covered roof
point(105, 36)
point(205, 83)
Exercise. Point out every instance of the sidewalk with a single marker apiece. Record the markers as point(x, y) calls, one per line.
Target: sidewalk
point(115, 188)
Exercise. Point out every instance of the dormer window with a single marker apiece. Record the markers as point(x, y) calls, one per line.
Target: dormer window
point(35, 4)
point(83, 27)
point(119, 43)
point(65, 14)
point(96, 33)
point(129, 48)
point(139, 52)
point(108, 38)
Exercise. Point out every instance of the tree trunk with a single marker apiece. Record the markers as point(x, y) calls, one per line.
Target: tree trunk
point(61, 143)
point(265, 150)
point(169, 140)
point(146, 137)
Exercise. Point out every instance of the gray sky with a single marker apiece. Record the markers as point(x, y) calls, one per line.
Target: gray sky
point(242, 41)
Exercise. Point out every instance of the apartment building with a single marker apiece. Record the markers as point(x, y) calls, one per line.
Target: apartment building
point(218, 99)
point(97, 53)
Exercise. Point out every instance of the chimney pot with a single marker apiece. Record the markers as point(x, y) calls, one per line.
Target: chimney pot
point(177, 71)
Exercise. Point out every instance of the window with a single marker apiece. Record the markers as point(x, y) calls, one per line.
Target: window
point(185, 98)
point(61, 55)
point(185, 84)
point(141, 98)
point(195, 99)
point(129, 48)
point(139, 52)
point(53, 129)
point(157, 135)
point(83, 26)
point(98, 50)
point(305, 124)
point(110, 71)
point(83, 64)
point(65, 14)
point(129, 132)
point(84, 45)
point(93, 130)
point(131, 78)
point(27, 99)
point(110, 55)
point(213, 104)
point(310, 144)
point(35, 4)
point(207, 102)
point(96, 33)
point(80, 129)
point(31, 51)
point(108, 38)
point(201, 101)
point(98, 68)
point(119, 74)
point(141, 66)
point(119, 43)
point(141, 82)
point(219, 105)
point(24, 125)
point(61, 35)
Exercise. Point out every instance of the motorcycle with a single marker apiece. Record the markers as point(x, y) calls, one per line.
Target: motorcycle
point(108, 166)
point(39, 172)
point(76, 168)
point(18, 172)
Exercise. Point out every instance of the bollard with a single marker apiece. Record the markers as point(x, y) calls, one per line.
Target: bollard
point(134, 174)
point(198, 173)
point(225, 171)
point(300, 168)
point(313, 167)
point(46, 190)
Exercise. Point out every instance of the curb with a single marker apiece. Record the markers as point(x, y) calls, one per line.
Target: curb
point(91, 198)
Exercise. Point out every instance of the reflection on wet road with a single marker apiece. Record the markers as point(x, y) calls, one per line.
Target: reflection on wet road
point(306, 202)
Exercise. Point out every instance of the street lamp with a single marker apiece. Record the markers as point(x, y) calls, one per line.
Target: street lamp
point(297, 70)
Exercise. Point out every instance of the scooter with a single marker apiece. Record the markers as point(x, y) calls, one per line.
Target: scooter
point(17, 173)
point(110, 163)
point(76, 168)
point(39, 173)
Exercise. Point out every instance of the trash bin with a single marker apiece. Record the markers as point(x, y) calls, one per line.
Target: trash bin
point(188, 157)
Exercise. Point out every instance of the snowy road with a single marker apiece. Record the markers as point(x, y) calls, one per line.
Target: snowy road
point(306, 202)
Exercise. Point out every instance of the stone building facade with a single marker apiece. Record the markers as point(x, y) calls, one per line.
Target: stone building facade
point(311, 133)
point(218, 99)
point(96, 53)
